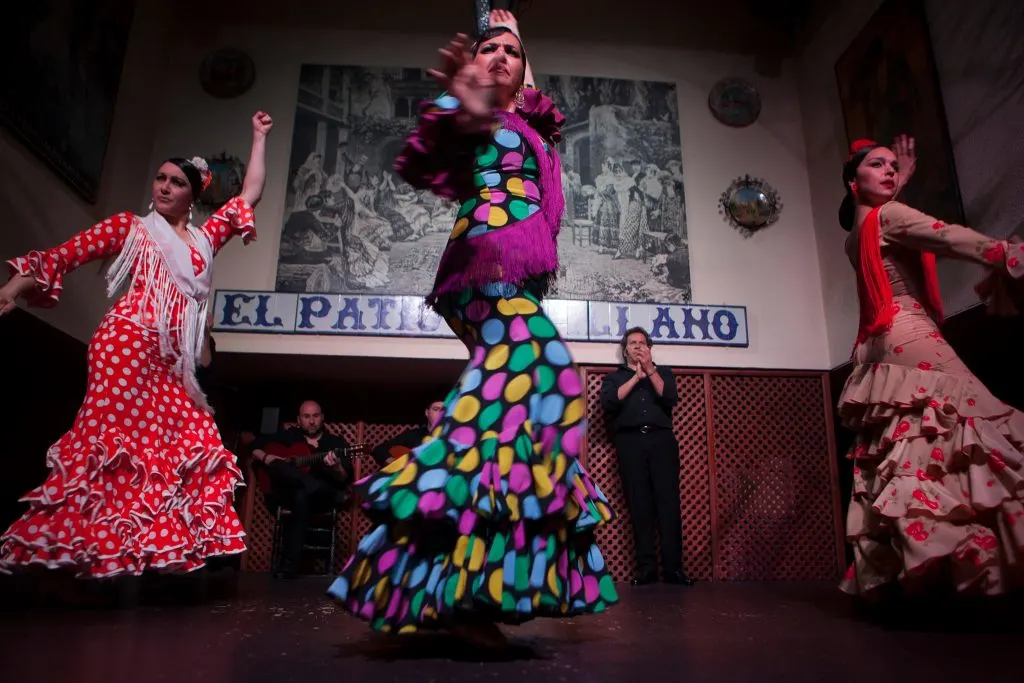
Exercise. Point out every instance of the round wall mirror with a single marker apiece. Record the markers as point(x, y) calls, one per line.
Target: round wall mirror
point(750, 205)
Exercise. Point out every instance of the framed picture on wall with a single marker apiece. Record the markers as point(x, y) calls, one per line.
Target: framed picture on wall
point(60, 67)
point(889, 85)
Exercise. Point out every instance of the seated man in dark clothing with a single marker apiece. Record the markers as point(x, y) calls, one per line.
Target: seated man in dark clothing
point(323, 487)
point(410, 438)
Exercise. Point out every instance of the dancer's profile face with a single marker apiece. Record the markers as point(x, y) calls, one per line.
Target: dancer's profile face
point(434, 413)
point(877, 177)
point(172, 192)
point(502, 58)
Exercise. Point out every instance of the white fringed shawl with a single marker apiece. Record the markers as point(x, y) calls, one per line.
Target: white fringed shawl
point(154, 254)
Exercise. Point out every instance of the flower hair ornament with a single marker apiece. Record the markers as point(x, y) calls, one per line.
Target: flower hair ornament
point(204, 170)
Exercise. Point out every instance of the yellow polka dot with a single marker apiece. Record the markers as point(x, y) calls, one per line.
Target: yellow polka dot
point(497, 217)
point(489, 434)
point(505, 457)
point(504, 307)
point(406, 476)
point(552, 579)
point(461, 547)
point(380, 592)
point(466, 409)
point(559, 470)
point(496, 357)
point(573, 411)
point(513, 507)
point(408, 628)
point(460, 587)
point(485, 194)
point(517, 388)
point(541, 481)
point(470, 461)
point(460, 227)
point(476, 557)
point(515, 187)
point(536, 600)
point(495, 584)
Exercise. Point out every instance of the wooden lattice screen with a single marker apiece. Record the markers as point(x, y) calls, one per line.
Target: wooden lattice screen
point(758, 481)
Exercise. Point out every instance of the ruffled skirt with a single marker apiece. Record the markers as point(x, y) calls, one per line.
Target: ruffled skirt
point(938, 490)
point(141, 481)
point(493, 512)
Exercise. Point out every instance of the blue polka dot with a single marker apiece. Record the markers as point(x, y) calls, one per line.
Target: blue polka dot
point(477, 231)
point(491, 178)
point(492, 331)
point(531, 507)
point(534, 208)
point(556, 353)
point(507, 138)
point(339, 589)
point(551, 409)
point(537, 571)
point(418, 574)
point(470, 381)
point(594, 559)
point(525, 605)
point(431, 480)
point(535, 404)
point(505, 289)
point(447, 102)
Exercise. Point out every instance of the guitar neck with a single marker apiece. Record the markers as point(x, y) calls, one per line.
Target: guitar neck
point(316, 458)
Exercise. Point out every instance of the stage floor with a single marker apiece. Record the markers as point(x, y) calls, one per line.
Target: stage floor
point(288, 631)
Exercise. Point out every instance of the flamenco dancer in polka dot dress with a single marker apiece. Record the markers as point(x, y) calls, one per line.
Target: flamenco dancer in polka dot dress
point(491, 520)
point(142, 480)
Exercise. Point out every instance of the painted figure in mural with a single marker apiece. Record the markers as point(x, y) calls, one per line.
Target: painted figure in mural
point(492, 519)
point(142, 480)
point(938, 493)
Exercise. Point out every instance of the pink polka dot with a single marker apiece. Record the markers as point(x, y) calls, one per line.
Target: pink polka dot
point(569, 383)
point(531, 190)
point(463, 436)
point(571, 442)
point(513, 161)
point(482, 213)
point(519, 477)
point(431, 501)
point(494, 386)
point(518, 330)
point(477, 310)
point(514, 418)
point(590, 588)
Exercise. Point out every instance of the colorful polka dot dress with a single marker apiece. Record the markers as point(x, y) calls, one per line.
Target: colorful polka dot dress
point(141, 481)
point(493, 513)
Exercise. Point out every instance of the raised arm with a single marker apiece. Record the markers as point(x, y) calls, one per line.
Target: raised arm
point(256, 171)
point(900, 224)
point(38, 276)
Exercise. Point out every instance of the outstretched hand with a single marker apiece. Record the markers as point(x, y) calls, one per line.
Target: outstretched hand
point(464, 80)
point(17, 286)
point(502, 17)
point(906, 158)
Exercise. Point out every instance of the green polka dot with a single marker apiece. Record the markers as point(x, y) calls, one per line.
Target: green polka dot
point(450, 586)
point(541, 327)
point(464, 296)
point(544, 378)
point(508, 603)
point(488, 449)
point(403, 503)
point(487, 157)
point(490, 415)
point(530, 164)
point(522, 573)
point(468, 206)
point(521, 357)
point(548, 600)
point(497, 552)
point(457, 489)
point(524, 446)
point(606, 588)
point(519, 209)
point(416, 604)
point(432, 454)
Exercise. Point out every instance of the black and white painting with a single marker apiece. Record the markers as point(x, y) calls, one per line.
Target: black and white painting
point(352, 226)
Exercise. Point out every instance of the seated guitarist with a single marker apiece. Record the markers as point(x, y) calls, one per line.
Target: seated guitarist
point(304, 493)
point(410, 438)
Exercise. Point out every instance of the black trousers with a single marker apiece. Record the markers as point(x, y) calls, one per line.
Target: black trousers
point(304, 494)
point(649, 469)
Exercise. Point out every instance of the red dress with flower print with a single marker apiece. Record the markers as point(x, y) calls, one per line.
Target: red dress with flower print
point(938, 460)
point(142, 480)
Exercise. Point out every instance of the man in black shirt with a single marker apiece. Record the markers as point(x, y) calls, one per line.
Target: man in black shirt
point(410, 438)
point(323, 487)
point(640, 396)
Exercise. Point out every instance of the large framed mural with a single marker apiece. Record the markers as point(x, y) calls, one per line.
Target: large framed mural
point(60, 68)
point(351, 225)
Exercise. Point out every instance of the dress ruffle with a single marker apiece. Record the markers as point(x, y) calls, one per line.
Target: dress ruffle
point(114, 507)
point(938, 476)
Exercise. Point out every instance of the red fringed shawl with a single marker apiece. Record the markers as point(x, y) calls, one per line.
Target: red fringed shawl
point(874, 289)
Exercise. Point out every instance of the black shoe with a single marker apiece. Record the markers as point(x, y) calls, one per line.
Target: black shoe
point(645, 577)
point(678, 577)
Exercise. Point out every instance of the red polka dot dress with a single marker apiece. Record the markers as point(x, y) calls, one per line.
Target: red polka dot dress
point(142, 480)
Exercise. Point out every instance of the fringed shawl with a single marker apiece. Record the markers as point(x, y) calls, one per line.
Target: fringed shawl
point(160, 264)
point(874, 289)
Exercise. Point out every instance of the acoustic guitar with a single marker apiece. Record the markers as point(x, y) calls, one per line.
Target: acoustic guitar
point(299, 455)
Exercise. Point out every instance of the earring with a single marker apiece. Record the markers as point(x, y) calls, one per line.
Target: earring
point(190, 212)
point(151, 205)
point(520, 100)
point(853, 189)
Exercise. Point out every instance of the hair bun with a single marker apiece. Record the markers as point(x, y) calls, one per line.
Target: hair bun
point(858, 145)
